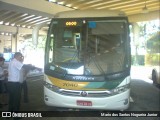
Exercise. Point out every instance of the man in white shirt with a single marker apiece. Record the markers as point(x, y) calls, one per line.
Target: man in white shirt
point(14, 82)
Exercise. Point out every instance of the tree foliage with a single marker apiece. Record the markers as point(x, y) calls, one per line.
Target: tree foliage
point(153, 43)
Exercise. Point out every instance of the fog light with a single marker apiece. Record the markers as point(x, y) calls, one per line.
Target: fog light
point(46, 98)
point(125, 101)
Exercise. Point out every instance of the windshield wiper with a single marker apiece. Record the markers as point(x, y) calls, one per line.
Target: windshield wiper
point(97, 65)
point(76, 53)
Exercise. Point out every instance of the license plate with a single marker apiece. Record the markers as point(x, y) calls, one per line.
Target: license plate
point(84, 103)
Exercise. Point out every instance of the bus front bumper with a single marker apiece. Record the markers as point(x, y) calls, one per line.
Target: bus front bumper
point(115, 102)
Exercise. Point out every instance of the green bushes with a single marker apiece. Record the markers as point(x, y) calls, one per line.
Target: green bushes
point(148, 59)
point(152, 59)
point(139, 60)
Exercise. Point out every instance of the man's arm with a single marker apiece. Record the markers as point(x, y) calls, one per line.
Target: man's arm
point(29, 67)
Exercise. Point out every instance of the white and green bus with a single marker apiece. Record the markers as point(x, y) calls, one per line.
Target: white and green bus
point(88, 61)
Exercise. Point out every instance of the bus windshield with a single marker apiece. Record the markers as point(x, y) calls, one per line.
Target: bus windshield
point(87, 46)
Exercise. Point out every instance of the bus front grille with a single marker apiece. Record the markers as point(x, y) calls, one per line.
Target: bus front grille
point(84, 93)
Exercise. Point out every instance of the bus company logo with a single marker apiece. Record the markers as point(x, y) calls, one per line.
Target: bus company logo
point(84, 93)
point(6, 114)
point(83, 78)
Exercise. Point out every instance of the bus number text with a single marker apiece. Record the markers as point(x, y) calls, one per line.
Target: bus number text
point(70, 85)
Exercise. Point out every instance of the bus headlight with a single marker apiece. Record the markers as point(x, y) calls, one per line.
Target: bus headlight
point(120, 89)
point(51, 87)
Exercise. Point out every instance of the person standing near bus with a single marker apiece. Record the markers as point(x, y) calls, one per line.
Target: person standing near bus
point(3, 89)
point(14, 85)
point(15, 75)
point(23, 77)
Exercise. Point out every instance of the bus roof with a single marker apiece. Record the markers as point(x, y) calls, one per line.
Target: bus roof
point(89, 13)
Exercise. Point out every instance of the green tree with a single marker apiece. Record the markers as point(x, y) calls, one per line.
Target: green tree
point(153, 43)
